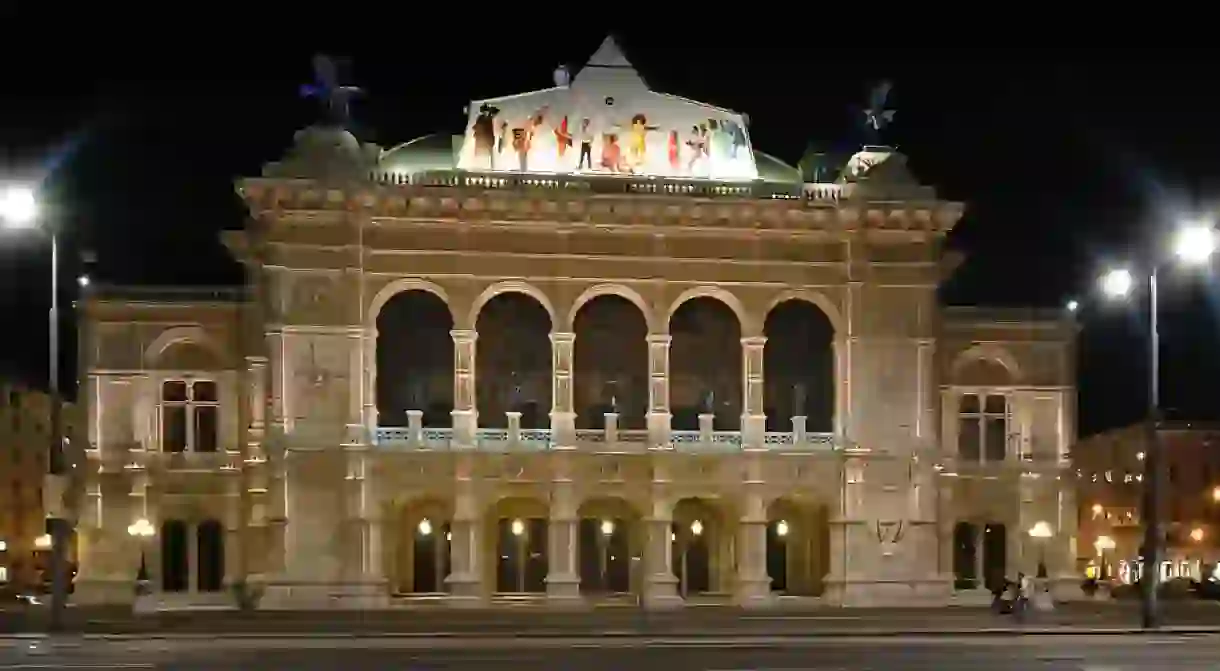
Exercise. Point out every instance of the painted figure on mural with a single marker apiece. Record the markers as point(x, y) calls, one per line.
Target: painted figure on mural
point(697, 144)
point(586, 146)
point(524, 135)
point(563, 138)
point(483, 132)
point(637, 142)
point(674, 150)
point(612, 153)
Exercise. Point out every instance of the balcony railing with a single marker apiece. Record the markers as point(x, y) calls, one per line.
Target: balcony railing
point(608, 439)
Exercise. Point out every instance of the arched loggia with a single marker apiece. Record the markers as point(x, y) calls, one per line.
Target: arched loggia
point(610, 363)
point(705, 365)
point(414, 360)
point(513, 361)
point(799, 367)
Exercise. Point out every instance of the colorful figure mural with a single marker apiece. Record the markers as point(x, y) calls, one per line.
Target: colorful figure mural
point(607, 122)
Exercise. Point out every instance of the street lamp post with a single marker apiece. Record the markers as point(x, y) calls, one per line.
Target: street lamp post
point(141, 530)
point(1194, 245)
point(19, 210)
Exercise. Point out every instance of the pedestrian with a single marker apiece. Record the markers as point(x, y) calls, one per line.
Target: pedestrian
point(1024, 591)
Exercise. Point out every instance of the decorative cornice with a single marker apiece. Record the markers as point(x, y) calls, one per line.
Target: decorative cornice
point(467, 198)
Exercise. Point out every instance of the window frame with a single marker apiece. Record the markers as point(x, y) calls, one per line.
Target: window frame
point(189, 407)
point(980, 419)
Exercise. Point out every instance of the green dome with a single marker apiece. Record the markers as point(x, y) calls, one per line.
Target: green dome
point(771, 169)
point(429, 152)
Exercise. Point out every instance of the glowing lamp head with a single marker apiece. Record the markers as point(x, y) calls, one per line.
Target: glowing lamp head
point(43, 542)
point(425, 527)
point(18, 207)
point(1073, 305)
point(1041, 530)
point(517, 527)
point(696, 528)
point(1117, 283)
point(607, 527)
point(1195, 244)
point(1196, 534)
point(781, 528)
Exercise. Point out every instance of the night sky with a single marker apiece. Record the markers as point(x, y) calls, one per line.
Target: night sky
point(1066, 168)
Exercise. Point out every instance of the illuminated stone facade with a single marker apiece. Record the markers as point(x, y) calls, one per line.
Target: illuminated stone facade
point(462, 385)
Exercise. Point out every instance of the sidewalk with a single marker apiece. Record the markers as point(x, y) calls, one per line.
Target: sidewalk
point(1192, 617)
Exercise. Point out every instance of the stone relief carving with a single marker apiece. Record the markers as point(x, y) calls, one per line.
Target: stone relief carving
point(312, 297)
point(321, 375)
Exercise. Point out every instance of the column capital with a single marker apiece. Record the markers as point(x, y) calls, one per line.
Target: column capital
point(562, 337)
point(659, 339)
point(464, 335)
point(754, 341)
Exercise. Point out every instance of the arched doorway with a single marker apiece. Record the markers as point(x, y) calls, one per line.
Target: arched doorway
point(175, 556)
point(517, 531)
point(608, 536)
point(210, 556)
point(798, 546)
point(424, 539)
point(697, 534)
point(705, 365)
point(513, 363)
point(415, 360)
point(799, 367)
point(610, 364)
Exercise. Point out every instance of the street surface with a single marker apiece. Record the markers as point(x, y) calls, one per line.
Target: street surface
point(529, 620)
point(994, 653)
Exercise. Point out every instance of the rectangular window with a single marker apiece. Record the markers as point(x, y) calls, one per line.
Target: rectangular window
point(190, 415)
point(983, 428)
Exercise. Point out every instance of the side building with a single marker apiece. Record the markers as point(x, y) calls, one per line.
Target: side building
point(1110, 473)
point(25, 438)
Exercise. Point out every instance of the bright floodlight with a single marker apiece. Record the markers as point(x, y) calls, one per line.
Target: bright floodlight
point(18, 207)
point(1195, 244)
point(1117, 283)
point(1073, 306)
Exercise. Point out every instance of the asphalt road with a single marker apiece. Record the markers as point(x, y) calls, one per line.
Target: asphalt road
point(1010, 653)
point(533, 621)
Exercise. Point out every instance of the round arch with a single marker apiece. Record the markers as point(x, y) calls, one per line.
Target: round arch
point(744, 323)
point(610, 289)
point(987, 352)
point(400, 285)
point(194, 335)
point(507, 287)
point(815, 298)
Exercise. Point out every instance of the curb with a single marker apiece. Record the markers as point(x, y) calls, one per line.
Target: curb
point(623, 635)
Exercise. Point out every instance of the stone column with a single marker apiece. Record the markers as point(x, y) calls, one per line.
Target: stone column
point(753, 583)
point(465, 579)
point(658, 391)
point(660, 583)
point(563, 418)
point(562, 580)
point(465, 412)
point(234, 536)
point(753, 417)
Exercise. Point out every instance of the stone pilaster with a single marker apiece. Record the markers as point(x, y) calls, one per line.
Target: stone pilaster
point(753, 417)
point(753, 583)
point(465, 579)
point(562, 580)
point(563, 418)
point(658, 391)
point(660, 588)
point(465, 412)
